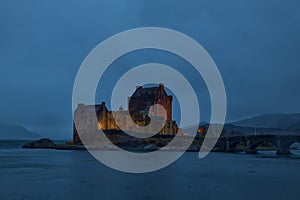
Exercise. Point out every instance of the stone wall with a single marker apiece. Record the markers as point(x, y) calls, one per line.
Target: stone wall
point(88, 118)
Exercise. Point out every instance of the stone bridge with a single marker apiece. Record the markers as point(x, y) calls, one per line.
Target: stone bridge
point(282, 143)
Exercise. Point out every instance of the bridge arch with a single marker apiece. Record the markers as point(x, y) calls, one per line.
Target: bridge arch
point(253, 146)
point(284, 146)
point(232, 145)
point(295, 147)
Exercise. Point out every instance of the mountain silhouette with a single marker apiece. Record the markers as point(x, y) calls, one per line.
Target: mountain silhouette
point(15, 132)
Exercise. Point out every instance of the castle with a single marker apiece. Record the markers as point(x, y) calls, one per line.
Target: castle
point(139, 105)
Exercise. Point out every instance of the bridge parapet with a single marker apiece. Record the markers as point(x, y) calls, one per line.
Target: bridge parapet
point(282, 143)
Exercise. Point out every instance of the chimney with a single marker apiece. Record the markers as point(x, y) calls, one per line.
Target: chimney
point(80, 105)
point(138, 87)
point(161, 86)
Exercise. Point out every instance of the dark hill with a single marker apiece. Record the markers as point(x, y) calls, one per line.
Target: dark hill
point(295, 127)
point(15, 132)
point(279, 121)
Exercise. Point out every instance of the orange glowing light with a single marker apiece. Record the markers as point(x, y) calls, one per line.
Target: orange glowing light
point(200, 130)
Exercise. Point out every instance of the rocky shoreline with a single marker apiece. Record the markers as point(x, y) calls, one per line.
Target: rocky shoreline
point(129, 145)
point(46, 143)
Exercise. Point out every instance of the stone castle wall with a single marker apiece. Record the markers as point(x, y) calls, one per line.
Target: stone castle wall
point(97, 117)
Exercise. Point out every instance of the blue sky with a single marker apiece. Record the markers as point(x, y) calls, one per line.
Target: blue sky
point(254, 43)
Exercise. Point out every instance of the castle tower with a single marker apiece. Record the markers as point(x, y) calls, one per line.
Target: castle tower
point(143, 98)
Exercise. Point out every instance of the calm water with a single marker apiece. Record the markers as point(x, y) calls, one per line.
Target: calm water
point(54, 174)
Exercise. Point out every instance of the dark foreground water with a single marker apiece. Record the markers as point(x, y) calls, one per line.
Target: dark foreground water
point(53, 174)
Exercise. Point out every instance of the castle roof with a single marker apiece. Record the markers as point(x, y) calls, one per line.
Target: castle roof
point(91, 108)
point(150, 92)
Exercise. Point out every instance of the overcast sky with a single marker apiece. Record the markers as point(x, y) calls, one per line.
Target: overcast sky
point(255, 44)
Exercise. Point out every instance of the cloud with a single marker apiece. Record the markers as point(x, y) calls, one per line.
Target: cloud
point(254, 43)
